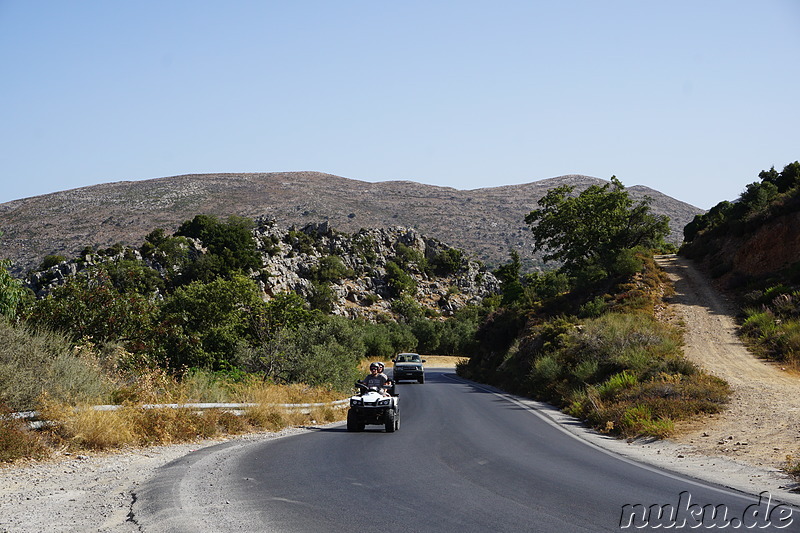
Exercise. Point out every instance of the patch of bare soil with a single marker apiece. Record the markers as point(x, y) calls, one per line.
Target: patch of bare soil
point(761, 425)
point(442, 361)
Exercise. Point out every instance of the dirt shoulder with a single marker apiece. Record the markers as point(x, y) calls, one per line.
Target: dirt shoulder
point(761, 426)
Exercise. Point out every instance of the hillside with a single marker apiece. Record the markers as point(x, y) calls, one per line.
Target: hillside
point(359, 283)
point(487, 223)
point(755, 238)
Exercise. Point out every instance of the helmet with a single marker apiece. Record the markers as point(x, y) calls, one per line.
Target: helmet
point(376, 366)
point(381, 366)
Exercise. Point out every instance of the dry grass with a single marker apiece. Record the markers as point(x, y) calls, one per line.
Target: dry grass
point(442, 361)
point(431, 361)
point(79, 428)
point(17, 441)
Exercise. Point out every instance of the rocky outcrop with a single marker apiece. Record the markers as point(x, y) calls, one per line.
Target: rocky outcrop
point(291, 259)
point(290, 263)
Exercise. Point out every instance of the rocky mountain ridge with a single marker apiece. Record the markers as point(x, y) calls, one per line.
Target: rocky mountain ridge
point(487, 223)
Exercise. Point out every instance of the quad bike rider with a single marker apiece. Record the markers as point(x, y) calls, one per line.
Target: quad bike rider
point(373, 404)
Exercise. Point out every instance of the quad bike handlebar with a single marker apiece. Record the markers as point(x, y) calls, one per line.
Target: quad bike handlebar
point(388, 387)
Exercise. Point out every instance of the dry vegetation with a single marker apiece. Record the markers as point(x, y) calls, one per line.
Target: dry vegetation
point(73, 424)
point(619, 368)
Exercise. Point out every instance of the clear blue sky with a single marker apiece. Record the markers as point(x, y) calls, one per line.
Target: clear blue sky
point(692, 98)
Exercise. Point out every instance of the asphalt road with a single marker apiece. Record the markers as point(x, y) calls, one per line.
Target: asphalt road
point(464, 459)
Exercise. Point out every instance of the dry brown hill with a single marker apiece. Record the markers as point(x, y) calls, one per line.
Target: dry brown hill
point(487, 223)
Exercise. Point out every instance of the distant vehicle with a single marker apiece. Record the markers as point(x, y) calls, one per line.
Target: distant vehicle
point(408, 366)
point(371, 407)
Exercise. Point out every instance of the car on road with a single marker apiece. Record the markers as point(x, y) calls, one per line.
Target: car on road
point(408, 366)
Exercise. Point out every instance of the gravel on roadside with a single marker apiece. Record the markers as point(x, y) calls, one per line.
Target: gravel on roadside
point(88, 492)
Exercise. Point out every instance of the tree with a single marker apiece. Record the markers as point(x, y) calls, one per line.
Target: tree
point(509, 276)
point(399, 280)
point(448, 261)
point(231, 246)
point(315, 353)
point(11, 291)
point(90, 306)
point(588, 231)
point(214, 316)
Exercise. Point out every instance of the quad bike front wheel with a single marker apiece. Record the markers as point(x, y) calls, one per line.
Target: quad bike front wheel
point(391, 421)
point(353, 423)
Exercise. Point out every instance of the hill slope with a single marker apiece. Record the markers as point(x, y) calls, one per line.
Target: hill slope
point(487, 223)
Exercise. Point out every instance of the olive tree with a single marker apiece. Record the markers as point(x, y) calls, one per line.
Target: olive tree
point(592, 229)
point(11, 291)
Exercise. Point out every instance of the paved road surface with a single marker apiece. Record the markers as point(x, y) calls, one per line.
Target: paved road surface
point(464, 459)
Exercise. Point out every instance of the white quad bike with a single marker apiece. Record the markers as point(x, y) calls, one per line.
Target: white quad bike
point(370, 406)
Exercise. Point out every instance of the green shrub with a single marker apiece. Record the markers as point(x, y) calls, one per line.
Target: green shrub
point(639, 420)
point(322, 297)
point(51, 261)
point(593, 308)
point(546, 370)
point(627, 262)
point(331, 268)
point(585, 371)
point(399, 280)
point(448, 262)
point(609, 389)
point(408, 257)
point(759, 326)
point(230, 247)
point(408, 308)
point(11, 292)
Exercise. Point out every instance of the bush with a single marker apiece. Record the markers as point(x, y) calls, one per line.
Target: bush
point(322, 297)
point(230, 244)
point(407, 308)
point(11, 292)
point(51, 261)
point(448, 262)
point(16, 440)
point(627, 262)
point(324, 353)
point(398, 280)
point(638, 420)
point(609, 389)
point(211, 319)
point(593, 308)
point(89, 306)
point(408, 258)
point(32, 363)
point(331, 268)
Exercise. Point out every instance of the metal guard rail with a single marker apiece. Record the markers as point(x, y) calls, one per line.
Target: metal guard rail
point(34, 423)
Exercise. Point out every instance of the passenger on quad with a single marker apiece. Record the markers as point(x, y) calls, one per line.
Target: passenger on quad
point(381, 366)
point(376, 379)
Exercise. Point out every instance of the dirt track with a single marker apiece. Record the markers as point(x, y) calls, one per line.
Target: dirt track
point(762, 424)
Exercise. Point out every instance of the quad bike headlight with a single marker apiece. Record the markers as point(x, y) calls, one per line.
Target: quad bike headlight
point(356, 401)
point(384, 402)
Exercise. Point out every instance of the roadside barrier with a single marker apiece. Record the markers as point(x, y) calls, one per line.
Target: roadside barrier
point(34, 422)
